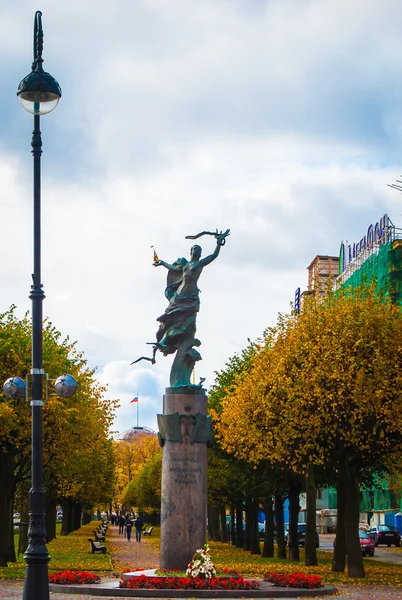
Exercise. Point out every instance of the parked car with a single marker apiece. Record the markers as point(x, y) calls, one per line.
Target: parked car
point(301, 536)
point(366, 543)
point(385, 534)
point(16, 518)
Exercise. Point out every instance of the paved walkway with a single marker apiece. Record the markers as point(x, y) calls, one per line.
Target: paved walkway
point(13, 590)
point(133, 556)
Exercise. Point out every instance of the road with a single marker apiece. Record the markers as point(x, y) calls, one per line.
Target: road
point(392, 554)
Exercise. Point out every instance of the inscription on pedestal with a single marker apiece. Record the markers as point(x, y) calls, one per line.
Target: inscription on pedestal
point(186, 469)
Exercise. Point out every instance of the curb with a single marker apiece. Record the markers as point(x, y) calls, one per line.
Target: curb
point(110, 588)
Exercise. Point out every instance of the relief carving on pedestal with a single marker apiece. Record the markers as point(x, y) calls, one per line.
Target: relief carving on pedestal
point(187, 429)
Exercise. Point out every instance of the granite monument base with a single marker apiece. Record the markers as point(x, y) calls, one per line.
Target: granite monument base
point(184, 431)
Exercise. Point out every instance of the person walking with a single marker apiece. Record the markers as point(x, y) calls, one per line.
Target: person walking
point(129, 525)
point(122, 522)
point(138, 528)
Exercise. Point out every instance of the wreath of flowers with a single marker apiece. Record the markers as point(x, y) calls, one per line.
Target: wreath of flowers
point(70, 577)
point(201, 565)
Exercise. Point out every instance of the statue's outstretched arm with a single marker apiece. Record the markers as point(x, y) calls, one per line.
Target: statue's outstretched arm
point(167, 265)
point(220, 241)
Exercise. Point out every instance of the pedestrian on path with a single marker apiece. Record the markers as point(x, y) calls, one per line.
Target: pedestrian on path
point(122, 522)
point(129, 525)
point(138, 528)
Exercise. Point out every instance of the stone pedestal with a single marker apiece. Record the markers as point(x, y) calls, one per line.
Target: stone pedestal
point(184, 430)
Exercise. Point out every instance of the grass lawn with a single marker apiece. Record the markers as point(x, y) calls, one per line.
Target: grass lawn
point(72, 552)
point(67, 552)
point(377, 573)
point(254, 566)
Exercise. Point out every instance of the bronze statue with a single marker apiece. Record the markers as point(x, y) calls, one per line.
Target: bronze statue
point(177, 325)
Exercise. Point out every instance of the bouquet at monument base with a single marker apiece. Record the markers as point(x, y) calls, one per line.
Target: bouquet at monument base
point(201, 565)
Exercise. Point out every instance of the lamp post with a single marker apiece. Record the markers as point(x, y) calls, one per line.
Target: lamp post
point(39, 94)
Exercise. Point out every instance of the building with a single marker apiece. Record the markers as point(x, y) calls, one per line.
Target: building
point(135, 433)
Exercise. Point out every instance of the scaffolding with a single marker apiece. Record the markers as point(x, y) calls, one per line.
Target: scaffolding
point(372, 260)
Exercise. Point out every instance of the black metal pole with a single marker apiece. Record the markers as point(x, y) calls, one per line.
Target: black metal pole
point(36, 585)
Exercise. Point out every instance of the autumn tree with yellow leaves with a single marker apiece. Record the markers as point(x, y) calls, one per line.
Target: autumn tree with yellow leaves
point(131, 456)
point(77, 451)
point(324, 392)
point(235, 482)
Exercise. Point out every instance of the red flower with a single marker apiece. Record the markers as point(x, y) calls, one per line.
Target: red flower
point(69, 577)
point(297, 580)
point(154, 583)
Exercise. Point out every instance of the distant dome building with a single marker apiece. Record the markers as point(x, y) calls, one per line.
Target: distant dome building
point(135, 433)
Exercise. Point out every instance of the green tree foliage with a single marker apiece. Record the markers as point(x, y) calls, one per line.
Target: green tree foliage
point(144, 491)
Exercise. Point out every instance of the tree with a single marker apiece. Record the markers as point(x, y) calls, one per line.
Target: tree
point(70, 425)
point(239, 483)
point(131, 456)
point(325, 391)
point(144, 491)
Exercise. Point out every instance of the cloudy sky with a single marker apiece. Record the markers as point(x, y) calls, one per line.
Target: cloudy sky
point(278, 119)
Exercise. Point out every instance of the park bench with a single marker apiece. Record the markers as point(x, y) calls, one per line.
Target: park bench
point(101, 530)
point(98, 536)
point(148, 532)
point(96, 547)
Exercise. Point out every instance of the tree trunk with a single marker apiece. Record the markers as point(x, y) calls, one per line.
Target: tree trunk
point(24, 517)
point(87, 514)
point(246, 544)
point(352, 505)
point(280, 533)
point(268, 549)
point(339, 559)
point(77, 510)
point(51, 504)
point(255, 547)
point(224, 526)
point(294, 508)
point(7, 486)
point(67, 516)
point(239, 528)
point(233, 525)
point(311, 501)
point(213, 523)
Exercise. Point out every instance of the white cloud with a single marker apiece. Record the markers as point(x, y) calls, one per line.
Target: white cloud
point(280, 120)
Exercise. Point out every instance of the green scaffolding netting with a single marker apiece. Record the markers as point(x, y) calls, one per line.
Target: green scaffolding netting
point(385, 267)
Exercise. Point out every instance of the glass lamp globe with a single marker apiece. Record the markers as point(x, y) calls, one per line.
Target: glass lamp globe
point(39, 92)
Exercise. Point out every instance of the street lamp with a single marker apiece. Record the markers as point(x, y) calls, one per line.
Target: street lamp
point(39, 94)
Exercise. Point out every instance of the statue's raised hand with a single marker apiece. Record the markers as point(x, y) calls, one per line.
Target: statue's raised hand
point(221, 237)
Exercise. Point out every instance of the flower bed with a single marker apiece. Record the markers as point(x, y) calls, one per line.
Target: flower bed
point(189, 583)
point(296, 580)
point(70, 577)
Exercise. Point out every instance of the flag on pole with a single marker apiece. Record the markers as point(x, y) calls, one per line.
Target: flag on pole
point(134, 400)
